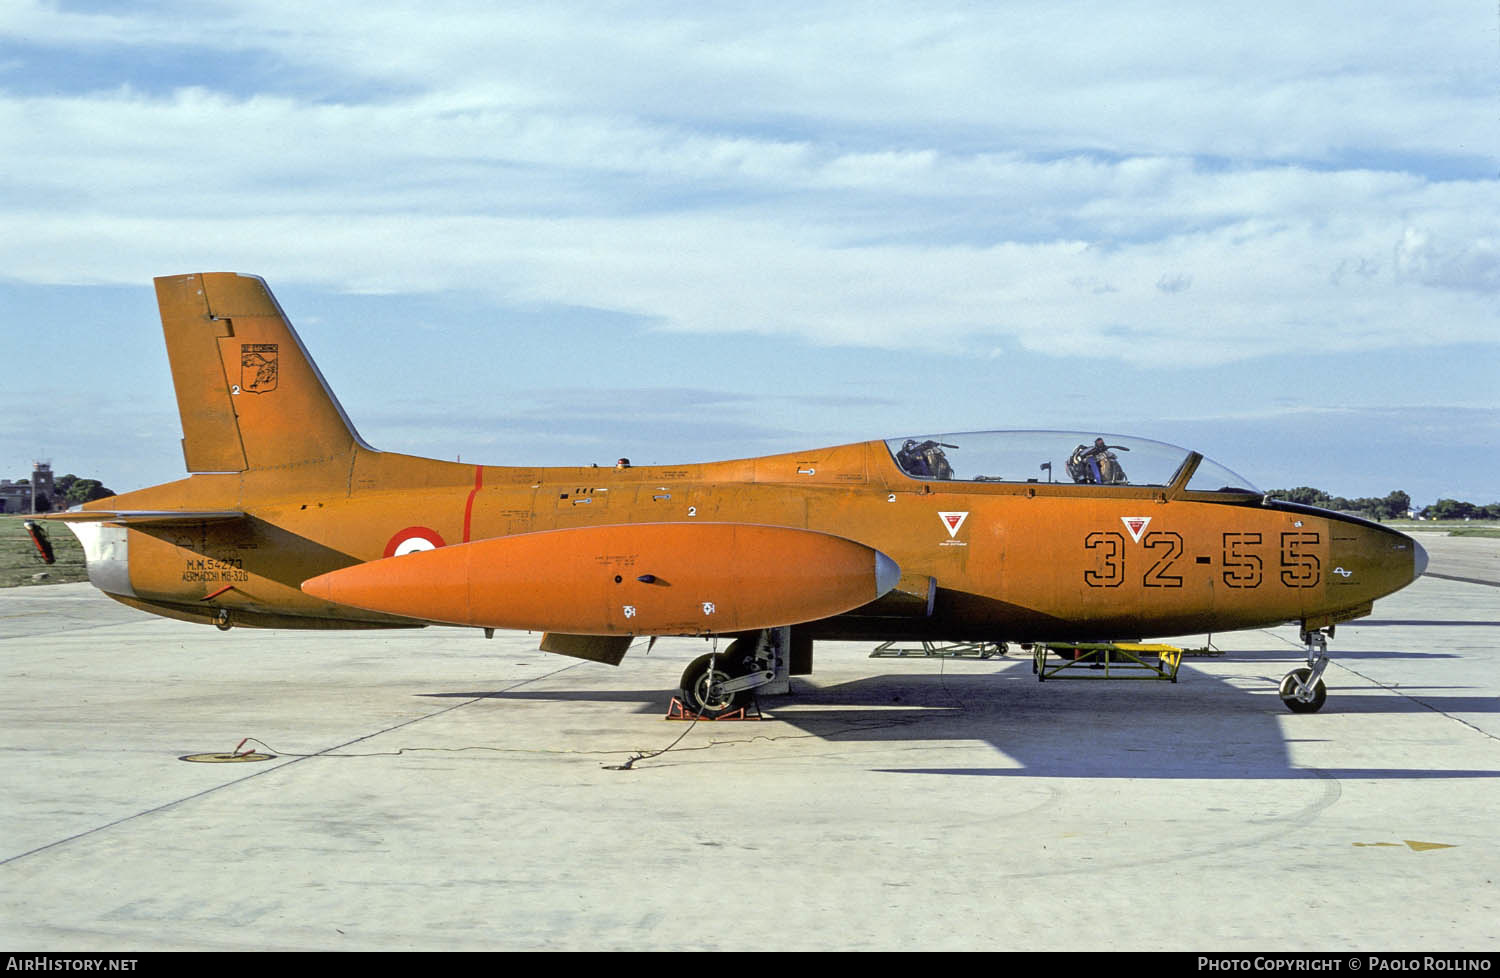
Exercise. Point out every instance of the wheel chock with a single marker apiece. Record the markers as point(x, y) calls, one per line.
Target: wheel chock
point(680, 711)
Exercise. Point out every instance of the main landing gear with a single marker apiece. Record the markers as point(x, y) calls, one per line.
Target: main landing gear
point(1302, 690)
point(721, 682)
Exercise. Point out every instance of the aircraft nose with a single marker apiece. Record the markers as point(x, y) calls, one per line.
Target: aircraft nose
point(1418, 560)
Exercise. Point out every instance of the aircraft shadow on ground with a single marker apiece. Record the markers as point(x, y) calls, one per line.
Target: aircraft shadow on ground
point(1377, 623)
point(1202, 728)
point(1291, 657)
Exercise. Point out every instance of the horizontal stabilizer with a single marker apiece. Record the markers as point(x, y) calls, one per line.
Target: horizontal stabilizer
point(628, 579)
point(148, 517)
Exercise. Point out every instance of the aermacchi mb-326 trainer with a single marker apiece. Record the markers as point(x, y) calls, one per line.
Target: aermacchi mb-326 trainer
point(289, 520)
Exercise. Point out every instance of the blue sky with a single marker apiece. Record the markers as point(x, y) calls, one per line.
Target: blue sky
point(556, 234)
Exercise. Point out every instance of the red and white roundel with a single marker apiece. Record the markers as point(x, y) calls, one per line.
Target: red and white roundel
point(412, 539)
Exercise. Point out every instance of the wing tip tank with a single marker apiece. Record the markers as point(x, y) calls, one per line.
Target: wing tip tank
point(703, 579)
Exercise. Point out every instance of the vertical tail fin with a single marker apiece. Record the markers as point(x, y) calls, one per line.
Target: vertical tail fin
point(249, 395)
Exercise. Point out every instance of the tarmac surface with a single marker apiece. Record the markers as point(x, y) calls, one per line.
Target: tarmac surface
point(434, 790)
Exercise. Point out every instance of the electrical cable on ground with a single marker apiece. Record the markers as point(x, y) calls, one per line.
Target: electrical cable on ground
point(627, 765)
point(713, 654)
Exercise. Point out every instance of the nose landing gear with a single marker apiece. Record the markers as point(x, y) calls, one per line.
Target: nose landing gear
point(1302, 690)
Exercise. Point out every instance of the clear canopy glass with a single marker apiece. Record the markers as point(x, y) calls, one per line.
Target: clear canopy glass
point(1071, 457)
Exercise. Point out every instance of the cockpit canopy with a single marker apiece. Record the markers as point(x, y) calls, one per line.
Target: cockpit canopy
point(1068, 457)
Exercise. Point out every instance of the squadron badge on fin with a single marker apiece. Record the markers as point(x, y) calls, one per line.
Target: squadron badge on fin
point(258, 363)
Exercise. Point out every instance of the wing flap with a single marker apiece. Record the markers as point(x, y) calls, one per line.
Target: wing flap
point(608, 649)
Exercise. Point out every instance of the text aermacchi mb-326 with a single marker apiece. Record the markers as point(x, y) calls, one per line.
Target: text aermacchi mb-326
point(289, 520)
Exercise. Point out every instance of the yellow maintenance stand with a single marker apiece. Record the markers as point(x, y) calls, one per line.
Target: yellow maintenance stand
point(1115, 660)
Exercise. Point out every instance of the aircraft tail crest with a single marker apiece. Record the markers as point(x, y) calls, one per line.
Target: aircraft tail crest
point(249, 395)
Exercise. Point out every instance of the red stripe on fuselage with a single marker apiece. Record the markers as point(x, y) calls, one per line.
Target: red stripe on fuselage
point(469, 506)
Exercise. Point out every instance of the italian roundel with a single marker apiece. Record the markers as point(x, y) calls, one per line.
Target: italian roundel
point(412, 539)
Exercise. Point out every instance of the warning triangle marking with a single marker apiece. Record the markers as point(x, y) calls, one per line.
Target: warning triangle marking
point(1136, 525)
point(952, 521)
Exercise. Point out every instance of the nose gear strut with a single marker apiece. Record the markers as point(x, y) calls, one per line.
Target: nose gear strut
point(1302, 690)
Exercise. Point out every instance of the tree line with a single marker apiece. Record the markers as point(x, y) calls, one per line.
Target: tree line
point(1396, 505)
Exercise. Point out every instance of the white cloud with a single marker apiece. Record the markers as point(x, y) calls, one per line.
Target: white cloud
point(944, 180)
point(1276, 80)
point(1471, 263)
point(1255, 286)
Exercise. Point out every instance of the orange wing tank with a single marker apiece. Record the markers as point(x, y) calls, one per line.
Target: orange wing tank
point(633, 579)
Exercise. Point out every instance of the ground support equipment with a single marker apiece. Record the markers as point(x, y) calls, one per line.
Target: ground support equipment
point(681, 711)
point(949, 650)
point(1105, 660)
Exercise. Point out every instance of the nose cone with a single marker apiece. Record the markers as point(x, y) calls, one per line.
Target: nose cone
point(1368, 561)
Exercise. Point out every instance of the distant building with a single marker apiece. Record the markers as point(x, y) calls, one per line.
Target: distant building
point(15, 497)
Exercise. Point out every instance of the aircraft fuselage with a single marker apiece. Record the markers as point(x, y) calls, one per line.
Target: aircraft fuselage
point(1018, 561)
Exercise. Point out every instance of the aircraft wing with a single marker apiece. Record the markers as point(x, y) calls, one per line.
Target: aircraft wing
point(623, 579)
point(147, 517)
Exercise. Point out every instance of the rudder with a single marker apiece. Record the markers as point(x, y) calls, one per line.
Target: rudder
point(248, 394)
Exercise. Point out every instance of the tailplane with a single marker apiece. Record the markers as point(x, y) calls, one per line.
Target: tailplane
point(249, 395)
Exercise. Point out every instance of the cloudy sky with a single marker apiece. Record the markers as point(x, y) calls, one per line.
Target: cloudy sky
point(564, 232)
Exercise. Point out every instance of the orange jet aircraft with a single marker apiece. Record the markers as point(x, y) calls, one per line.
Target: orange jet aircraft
point(289, 520)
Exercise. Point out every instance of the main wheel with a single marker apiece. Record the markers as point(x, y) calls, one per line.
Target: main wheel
point(697, 680)
point(1288, 691)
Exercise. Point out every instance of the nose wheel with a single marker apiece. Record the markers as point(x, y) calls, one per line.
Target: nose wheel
point(1301, 693)
point(1302, 690)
